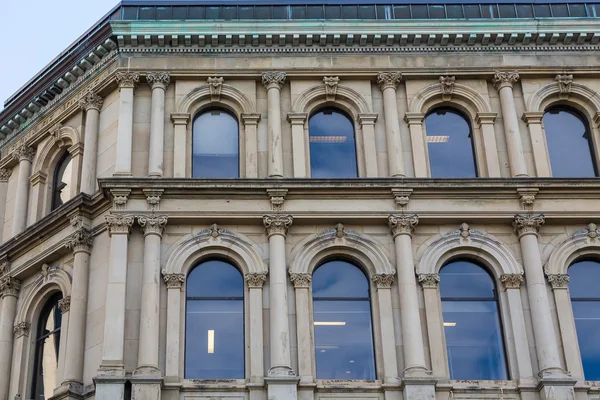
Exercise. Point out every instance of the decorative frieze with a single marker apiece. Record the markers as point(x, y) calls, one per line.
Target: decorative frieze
point(152, 224)
point(429, 281)
point(331, 84)
point(255, 280)
point(558, 281)
point(505, 79)
point(387, 80)
point(300, 280)
point(127, 79)
point(9, 286)
point(215, 84)
point(65, 304)
point(80, 241)
point(23, 152)
point(174, 280)
point(5, 174)
point(273, 79)
point(119, 224)
point(91, 101)
point(21, 329)
point(447, 86)
point(402, 224)
point(158, 80)
point(277, 224)
point(528, 224)
point(564, 85)
point(512, 281)
point(384, 281)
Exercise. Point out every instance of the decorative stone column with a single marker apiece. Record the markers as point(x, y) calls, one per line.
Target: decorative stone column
point(255, 282)
point(418, 144)
point(127, 82)
point(251, 132)
point(21, 332)
point(159, 82)
point(388, 82)
point(273, 81)
point(298, 120)
point(551, 373)
point(4, 176)
point(304, 329)
point(503, 82)
point(91, 103)
point(538, 143)
point(24, 155)
point(180, 154)
point(9, 290)
point(435, 327)
point(174, 284)
point(490, 148)
point(367, 124)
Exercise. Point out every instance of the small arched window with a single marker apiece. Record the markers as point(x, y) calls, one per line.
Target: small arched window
point(61, 190)
point(342, 322)
point(215, 145)
point(214, 322)
point(332, 145)
point(450, 144)
point(472, 325)
point(569, 143)
point(47, 340)
point(583, 286)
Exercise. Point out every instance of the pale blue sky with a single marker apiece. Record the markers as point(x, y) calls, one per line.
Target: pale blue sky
point(35, 31)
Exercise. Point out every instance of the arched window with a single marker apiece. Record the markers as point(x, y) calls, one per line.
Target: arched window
point(583, 286)
point(342, 322)
point(569, 143)
point(450, 144)
point(215, 144)
point(332, 145)
point(47, 340)
point(214, 322)
point(61, 190)
point(471, 322)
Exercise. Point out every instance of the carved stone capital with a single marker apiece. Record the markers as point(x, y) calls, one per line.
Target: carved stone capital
point(215, 85)
point(273, 79)
point(429, 281)
point(159, 80)
point(80, 241)
point(91, 101)
point(21, 329)
point(152, 224)
point(23, 153)
point(512, 281)
point(402, 224)
point(65, 304)
point(277, 224)
point(331, 84)
point(5, 174)
point(564, 85)
point(127, 79)
point(505, 79)
point(386, 80)
point(527, 197)
point(447, 85)
point(256, 280)
point(300, 280)
point(525, 224)
point(119, 224)
point(558, 281)
point(173, 281)
point(384, 281)
point(9, 286)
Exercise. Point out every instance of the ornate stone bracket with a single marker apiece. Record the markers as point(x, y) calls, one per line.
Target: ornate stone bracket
point(527, 197)
point(558, 281)
point(429, 281)
point(401, 197)
point(21, 329)
point(402, 224)
point(447, 86)
point(173, 281)
point(387, 80)
point(592, 232)
point(152, 224)
point(215, 85)
point(9, 286)
point(119, 224)
point(277, 198)
point(564, 85)
point(277, 224)
point(65, 304)
point(273, 79)
point(255, 280)
point(512, 281)
point(528, 224)
point(300, 280)
point(127, 79)
point(153, 197)
point(505, 79)
point(331, 84)
point(120, 197)
point(80, 241)
point(384, 281)
point(159, 80)
point(465, 232)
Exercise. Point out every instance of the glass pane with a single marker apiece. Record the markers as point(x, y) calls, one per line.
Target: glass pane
point(332, 147)
point(507, 11)
point(179, 12)
point(245, 12)
point(542, 10)
point(472, 11)
point(455, 11)
point(280, 12)
point(450, 145)
point(62, 182)
point(474, 340)
point(314, 12)
point(583, 280)
point(366, 12)
point(215, 145)
point(437, 11)
point(577, 10)
point(559, 10)
point(213, 12)
point(333, 12)
point(229, 12)
point(419, 11)
point(130, 13)
point(214, 339)
point(163, 13)
point(196, 12)
point(339, 279)
point(298, 12)
point(464, 279)
point(46, 350)
point(262, 12)
point(565, 129)
point(146, 13)
point(587, 323)
point(343, 339)
point(383, 12)
point(215, 279)
point(349, 12)
point(524, 11)
point(402, 12)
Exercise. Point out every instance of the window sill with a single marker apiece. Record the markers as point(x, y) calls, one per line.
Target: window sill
point(214, 384)
point(465, 386)
point(335, 384)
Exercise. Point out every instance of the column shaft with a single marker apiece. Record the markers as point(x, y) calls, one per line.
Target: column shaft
point(255, 283)
point(388, 81)
point(279, 325)
point(159, 83)
point(174, 283)
point(538, 144)
point(25, 156)
point(304, 330)
point(9, 288)
point(180, 154)
point(273, 82)
point(91, 103)
point(127, 82)
point(418, 145)
point(4, 176)
point(388, 339)
point(367, 123)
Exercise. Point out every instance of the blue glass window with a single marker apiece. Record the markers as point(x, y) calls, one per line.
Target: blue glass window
point(342, 322)
point(585, 298)
point(332, 145)
point(569, 144)
point(214, 322)
point(450, 144)
point(471, 323)
point(215, 145)
point(46, 350)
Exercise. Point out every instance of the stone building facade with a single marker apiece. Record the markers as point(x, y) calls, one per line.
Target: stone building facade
point(115, 250)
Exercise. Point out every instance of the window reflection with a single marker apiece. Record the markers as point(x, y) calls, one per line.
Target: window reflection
point(569, 144)
point(332, 146)
point(46, 350)
point(214, 322)
point(215, 145)
point(471, 323)
point(62, 182)
point(342, 322)
point(450, 144)
point(585, 298)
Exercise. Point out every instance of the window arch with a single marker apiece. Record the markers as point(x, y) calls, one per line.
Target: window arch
point(472, 326)
point(215, 145)
point(342, 322)
point(566, 129)
point(585, 299)
point(332, 145)
point(47, 340)
point(62, 181)
point(450, 144)
point(214, 322)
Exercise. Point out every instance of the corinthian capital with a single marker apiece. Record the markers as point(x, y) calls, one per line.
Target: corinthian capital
point(384, 281)
point(80, 241)
point(9, 286)
point(277, 224)
point(65, 304)
point(256, 280)
point(558, 281)
point(152, 224)
point(119, 224)
point(300, 280)
point(23, 152)
point(511, 281)
point(158, 79)
point(5, 174)
point(127, 79)
point(403, 224)
point(387, 80)
point(91, 101)
point(503, 79)
point(173, 281)
point(528, 224)
point(21, 329)
point(429, 281)
point(273, 79)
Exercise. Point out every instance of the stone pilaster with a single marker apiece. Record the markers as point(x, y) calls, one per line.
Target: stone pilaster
point(9, 290)
point(24, 155)
point(91, 103)
point(273, 81)
point(387, 82)
point(127, 82)
point(5, 174)
point(159, 82)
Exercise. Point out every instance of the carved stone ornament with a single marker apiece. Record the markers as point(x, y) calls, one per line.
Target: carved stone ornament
point(256, 280)
point(402, 224)
point(429, 281)
point(127, 79)
point(23, 153)
point(465, 231)
point(384, 281)
point(215, 85)
point(281, 371)
point(447, 85)
point(21, 329)
point(527, 197)
point(119, 224)
point(5, 174)
point(564, 85)
point(65, 304)
point(388, 80)
point(4, 265)
point(215, 231)
point(91, 101)
point(512, 281)
point(401, 196)
point(273, 79)
point(277, 198)
point(331, 84)
point(153, 202)
point(152, 224)
point(558, 281)
point(9, 286)
point(592, 231)
point(277, 224)
point(505, 79)
point(528, 224)
point(173, 281)
point(300, 280)
point(80, 241)
point(340, 232)
point(158, 80)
